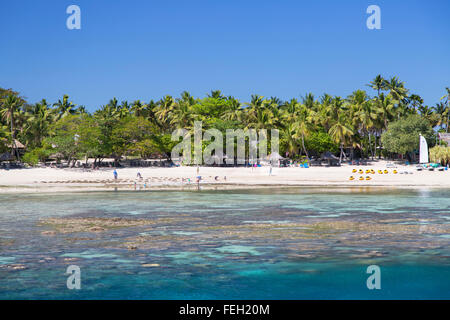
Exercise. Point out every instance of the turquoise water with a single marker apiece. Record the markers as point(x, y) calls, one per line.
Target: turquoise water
point(243, 244)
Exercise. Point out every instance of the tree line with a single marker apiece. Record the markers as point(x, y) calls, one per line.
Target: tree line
point(357, 126)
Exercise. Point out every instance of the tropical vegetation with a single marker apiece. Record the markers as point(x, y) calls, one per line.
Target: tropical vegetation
point(360, 125)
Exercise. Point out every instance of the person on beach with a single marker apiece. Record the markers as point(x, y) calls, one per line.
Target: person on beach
point(115, 174)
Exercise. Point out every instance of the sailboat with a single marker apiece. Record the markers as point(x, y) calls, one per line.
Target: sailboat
point(423, 151)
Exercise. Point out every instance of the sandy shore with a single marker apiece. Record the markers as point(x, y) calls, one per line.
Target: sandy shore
point(62, 180)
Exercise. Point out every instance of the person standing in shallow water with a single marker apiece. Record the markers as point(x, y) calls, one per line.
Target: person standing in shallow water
point(115, 174)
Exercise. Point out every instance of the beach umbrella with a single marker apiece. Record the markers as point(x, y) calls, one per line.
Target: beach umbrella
point(328, 156)
point(17, 144)
point(275, 156)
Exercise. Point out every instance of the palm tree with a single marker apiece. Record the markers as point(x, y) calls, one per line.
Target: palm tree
point(182, 115)
point(258, 115)
point(309, 101)
point(415, 100)
point(379, 84)
point(442, 113)
point(341, 132)
point(301, 127)
point(82, 110)
point(138, 109)
point(385, 107)
point(11, 105)
point(234, 110)
point(428, 113)
point(363, 114)
point(288, 132)
point(289, 109)
point(446, 99)
point(397, 89)
point(163, 112)
point(38, 122)
point(64, 107)
point(216, 94)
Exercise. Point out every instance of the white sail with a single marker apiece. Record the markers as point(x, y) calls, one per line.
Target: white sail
point(423, 158)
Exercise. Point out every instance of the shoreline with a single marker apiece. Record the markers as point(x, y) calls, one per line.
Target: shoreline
point(313, 189)
point(52, 180)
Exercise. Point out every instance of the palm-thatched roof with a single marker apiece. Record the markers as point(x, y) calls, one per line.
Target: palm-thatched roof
point(275, 156)
point(328, 156)
point(18, 145)
point(445, 137)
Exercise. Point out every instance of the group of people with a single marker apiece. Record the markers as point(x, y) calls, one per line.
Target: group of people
point(183, 180)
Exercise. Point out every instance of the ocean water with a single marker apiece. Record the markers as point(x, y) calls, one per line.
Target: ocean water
point(287, 243)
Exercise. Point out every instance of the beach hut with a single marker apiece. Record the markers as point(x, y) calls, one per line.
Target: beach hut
point(330, 158)
point(444, 137)
point(275, 158)
point(17, 145)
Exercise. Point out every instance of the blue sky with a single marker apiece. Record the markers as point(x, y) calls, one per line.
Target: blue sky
point(146, 49)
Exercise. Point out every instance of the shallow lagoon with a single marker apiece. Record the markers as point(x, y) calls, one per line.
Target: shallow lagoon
point(244, 244)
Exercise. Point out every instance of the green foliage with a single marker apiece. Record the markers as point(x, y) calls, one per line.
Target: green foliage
point(38, 154)
point(440, 154)
point(133, 136)
point(30, 158)
point(402, 136)
point(320, 142)
point(140, 129)
point(75, 136)
point(164, 144)
point(4, 138)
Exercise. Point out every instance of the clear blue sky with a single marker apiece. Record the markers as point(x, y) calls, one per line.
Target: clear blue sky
point(146, 49)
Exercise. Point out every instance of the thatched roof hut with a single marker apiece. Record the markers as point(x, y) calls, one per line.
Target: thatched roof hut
point(17, 144)
point(445, 137)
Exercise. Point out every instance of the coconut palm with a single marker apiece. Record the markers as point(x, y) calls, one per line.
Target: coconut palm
point(440, 154)
point(364, 115)
point(341, 132)
point(446, 99)
point(64, 107)
point(379, 84)
point(163, 112)
point(302, 127)
point(428, 113)
point(10, 106)
point(38, 122)
point(288, 136)
point(397, 89)
point(234, 111)
point(415, 100)
point(82, 110)
point(182, 115)
point(385, 108)
point(442, 113)
point(122, 110)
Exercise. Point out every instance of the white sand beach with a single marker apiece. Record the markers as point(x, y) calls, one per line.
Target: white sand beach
point(55, 180)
